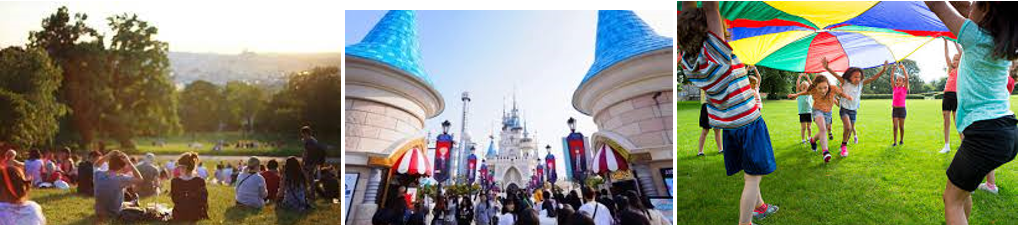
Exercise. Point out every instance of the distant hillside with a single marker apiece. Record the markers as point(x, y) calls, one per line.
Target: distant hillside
point(262, 68)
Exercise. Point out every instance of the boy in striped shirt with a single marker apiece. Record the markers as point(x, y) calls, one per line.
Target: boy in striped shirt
point(708, 62)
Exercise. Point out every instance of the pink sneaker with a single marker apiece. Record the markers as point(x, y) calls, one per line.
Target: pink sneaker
point(844, 153)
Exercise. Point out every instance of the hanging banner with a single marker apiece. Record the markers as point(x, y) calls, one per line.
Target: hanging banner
point(550, 165)
point(577, 154)
point(472, 164)
point(443, 143)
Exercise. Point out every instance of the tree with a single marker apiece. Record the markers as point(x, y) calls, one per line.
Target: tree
point(143, 95)
point(243, 102)
point(120, 90)
point(201, 106)
point(78, 50)
point(777, 83)
point(28, 109)
point(309, 98)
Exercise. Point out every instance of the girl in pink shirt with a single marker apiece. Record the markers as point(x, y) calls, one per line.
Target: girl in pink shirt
point(900, 88)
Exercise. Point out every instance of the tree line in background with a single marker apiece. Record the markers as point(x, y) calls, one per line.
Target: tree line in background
point(74, 85)
point(779, 83)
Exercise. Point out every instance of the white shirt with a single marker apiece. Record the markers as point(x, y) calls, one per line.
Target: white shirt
point(33, 169)
point(601, 217)
point(851, 90)
point(507, 219)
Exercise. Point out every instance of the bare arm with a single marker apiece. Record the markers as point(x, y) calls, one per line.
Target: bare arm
point(824, 62)
point(798, 94)
point(948, 59)
point(798, 79)
point(948, 15)
point(714, 19)
point(962, 7)
point(905, 75)
point(878, 74)
point(687, 5)
point(757, 74)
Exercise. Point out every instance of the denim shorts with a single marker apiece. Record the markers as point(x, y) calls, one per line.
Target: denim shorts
point(847, 112)
point(748, 148)
point(827, 115)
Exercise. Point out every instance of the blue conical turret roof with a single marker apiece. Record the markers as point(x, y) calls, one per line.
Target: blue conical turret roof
point(622, 35)
point(394, 42)
point(491, 149)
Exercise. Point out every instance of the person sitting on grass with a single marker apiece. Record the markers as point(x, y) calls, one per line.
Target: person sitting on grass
point(708, 61)
point(148, 170)
point(86, 168)
point(15, 207)
point(188, 192)
point(272, 179)
point(329, 186)
point(33, 167)
point(110, 185)
point(250, 186)
point(9, 158)
point(293, 193)
point(988, 127)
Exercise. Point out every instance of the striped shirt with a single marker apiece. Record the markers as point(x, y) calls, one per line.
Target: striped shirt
point(731, 100)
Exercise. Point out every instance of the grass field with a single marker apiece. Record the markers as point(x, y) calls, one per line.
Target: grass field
point(180, 144)
point(65, 207)
point(876, 184)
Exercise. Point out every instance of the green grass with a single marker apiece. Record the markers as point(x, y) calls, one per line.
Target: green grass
point(876, 184)
point(66, 207)
point(179, 144)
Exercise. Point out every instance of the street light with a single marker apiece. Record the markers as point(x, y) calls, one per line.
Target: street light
point(573, 124)
point(445, 127)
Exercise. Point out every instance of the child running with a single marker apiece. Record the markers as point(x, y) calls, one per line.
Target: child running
point(852, 85)
point(824, 98)
point(900, 88)
point(988, 39)
point(709, 62)
point(803, 104)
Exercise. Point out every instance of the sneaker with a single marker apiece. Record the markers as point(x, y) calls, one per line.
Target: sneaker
point(893, 144)
point(946, 149)
point(720, 151)
point(826, 156)
point(765, 211)
point(830, 137)
point(856, 139)
point(844, 153)
point(700, 154)
point(900, 142)
point(983, 186)
point(813, 145)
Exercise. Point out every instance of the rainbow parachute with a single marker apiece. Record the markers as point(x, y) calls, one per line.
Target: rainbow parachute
point(795, 36)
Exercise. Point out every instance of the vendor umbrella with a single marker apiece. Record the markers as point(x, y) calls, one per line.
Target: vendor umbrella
point(796, 36)
point(607, 159)
point(413, 162)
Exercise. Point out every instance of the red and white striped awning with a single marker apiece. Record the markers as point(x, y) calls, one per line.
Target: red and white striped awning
point(608, 159)
point(413, 162)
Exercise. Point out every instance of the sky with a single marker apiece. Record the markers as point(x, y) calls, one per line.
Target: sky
point(539, 55)
point(205, 26)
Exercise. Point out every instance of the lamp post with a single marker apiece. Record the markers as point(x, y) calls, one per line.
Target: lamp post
point(576, 146)
point(443, 144)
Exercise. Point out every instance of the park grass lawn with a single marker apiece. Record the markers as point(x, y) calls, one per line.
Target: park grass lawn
point(65, 207)
point(180, 144)
point(876, 184)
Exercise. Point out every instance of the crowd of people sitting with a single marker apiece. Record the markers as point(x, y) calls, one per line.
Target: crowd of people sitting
point(518, 207)
point(117, 181)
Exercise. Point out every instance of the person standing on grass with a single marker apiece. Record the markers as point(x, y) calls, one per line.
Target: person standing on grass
point(804, 107)
point(293, 193)
point(900, 88)
point(188, 192)
point(949, 100)
point(705, 127)
point(272, 179)
point(709, 62)
point(852, 82)
point(15, 206)
point(988, 38)
point(250, 187)
point(110, 185)
point(313, 157)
